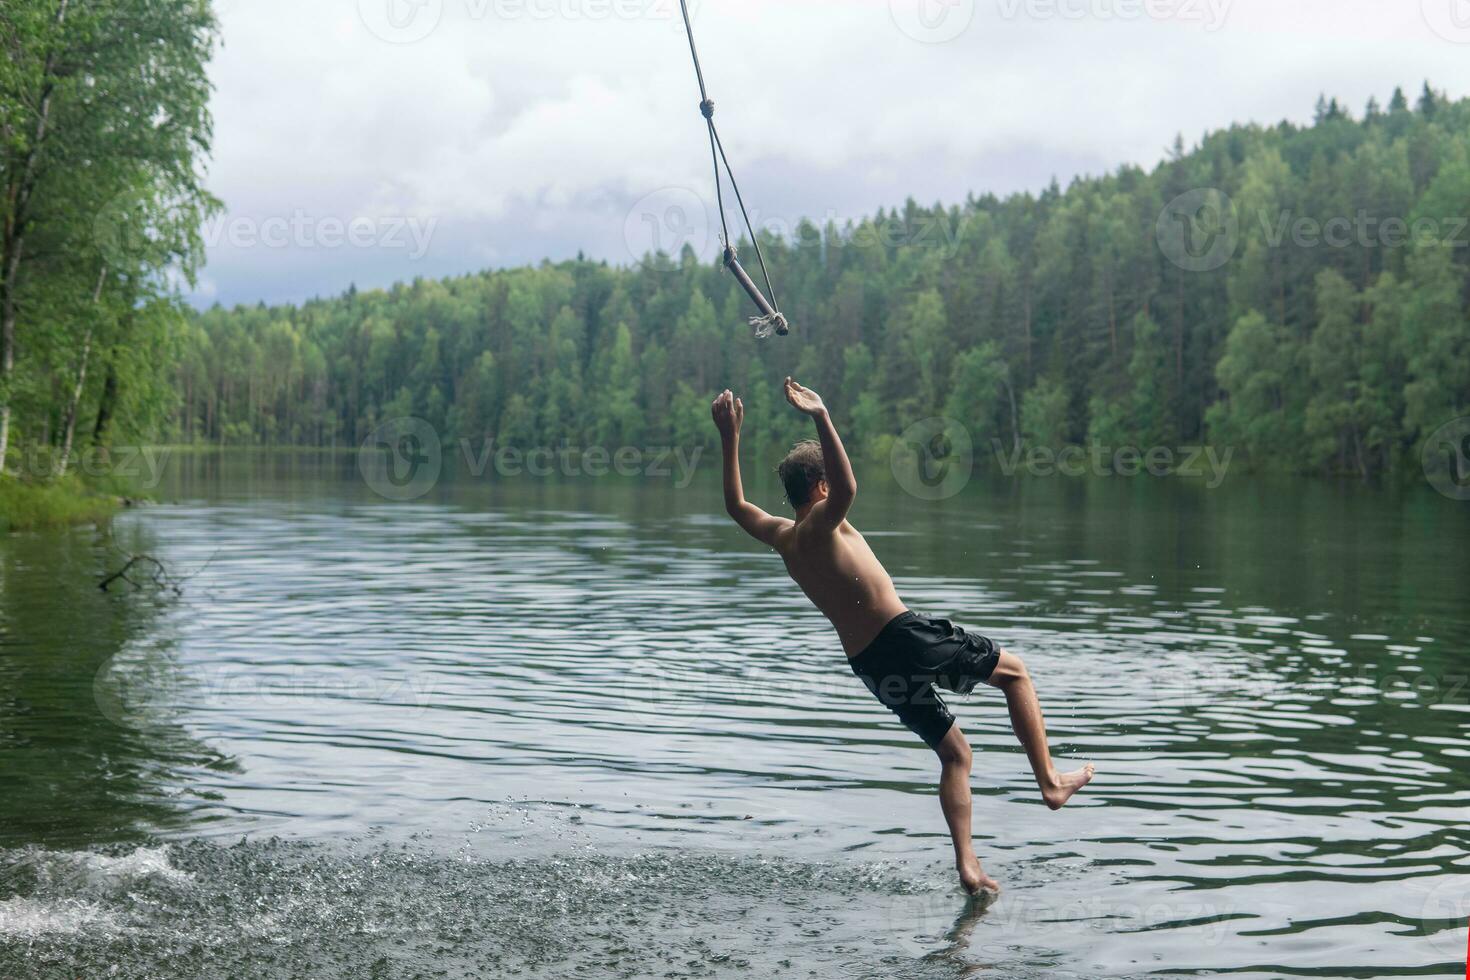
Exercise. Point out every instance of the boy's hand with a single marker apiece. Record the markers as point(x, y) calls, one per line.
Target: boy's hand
point(804, 400)
point(729, 413)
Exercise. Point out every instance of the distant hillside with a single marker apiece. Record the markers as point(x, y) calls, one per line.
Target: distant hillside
point(1297, 293)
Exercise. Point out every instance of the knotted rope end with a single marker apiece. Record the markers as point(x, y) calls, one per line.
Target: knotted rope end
point(767, 325)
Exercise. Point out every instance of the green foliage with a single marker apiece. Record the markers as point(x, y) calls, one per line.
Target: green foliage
point(1044, 415)
point(1045, 319)
point(1261, 374)
point(978, 394)
point(31, 506)
point(1139, 414)
point(103, 122)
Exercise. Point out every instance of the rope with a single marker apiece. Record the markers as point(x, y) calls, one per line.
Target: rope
point(718, 157)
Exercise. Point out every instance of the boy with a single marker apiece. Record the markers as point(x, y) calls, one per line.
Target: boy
point(900, 655)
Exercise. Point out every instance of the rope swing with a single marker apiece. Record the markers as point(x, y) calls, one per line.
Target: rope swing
point(771, 319)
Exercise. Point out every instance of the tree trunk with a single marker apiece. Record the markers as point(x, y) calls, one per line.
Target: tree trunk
point(1179, 339)
point(1015, 419)
point(1279, 276)
point(69, 428)
point(1112, 319)
point(1358, 452)
point(106, 406)
point(7, 343)
point(1026, 320)
point(18, 196)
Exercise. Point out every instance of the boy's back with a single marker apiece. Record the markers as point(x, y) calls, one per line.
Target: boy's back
point(826, 556)
point(842, 577)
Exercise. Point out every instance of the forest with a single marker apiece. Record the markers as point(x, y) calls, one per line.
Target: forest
point(104, 130)
point(1295, 293)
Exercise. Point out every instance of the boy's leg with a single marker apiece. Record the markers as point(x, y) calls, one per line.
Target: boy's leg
point(1011, 677)
point(954, 798)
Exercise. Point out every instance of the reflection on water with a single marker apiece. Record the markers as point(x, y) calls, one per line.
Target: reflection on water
point(68, 774)
point(590, 726)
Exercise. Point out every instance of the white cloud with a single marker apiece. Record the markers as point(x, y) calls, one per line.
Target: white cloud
point(527, 128)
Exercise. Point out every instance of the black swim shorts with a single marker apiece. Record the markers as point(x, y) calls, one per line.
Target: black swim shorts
point(915, 654)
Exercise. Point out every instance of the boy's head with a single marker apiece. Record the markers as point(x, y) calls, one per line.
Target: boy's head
point(803, 474)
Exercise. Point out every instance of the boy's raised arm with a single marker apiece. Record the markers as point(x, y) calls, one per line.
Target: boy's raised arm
point(841, 483)
point(729, 413)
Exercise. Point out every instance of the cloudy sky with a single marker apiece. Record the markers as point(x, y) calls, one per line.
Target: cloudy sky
point(372, 141)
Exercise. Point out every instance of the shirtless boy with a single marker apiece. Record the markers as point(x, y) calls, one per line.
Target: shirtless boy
point(901, 656)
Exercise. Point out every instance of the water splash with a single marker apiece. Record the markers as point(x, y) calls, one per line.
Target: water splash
point(283, 909)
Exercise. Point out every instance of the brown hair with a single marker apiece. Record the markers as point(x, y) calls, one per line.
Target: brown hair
point(800, 471)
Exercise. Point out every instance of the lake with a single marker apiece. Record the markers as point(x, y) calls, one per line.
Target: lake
point(581, 726)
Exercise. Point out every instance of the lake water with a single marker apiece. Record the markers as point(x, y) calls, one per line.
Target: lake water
point(585, 728)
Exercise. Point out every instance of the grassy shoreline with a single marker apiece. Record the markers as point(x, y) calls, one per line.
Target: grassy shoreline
point(60, 503)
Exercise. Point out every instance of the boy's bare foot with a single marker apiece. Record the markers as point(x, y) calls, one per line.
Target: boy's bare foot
point(1062, 788)
point(973, 879)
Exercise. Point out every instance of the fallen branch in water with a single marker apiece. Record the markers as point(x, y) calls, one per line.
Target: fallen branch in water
point(157, 575)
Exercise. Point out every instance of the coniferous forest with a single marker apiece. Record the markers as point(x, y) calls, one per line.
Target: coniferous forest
point(1299, 294)
point(1296, 293)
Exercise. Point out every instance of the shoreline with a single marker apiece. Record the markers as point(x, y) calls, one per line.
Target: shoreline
point(68, 502)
